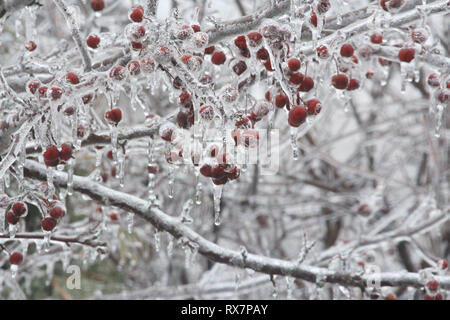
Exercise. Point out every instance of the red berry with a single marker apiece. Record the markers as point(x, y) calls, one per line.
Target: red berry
point(268, 65)
point(406, 54)
point(42, 91)
point(196, 28)
point(391, 296)
point(364, 210)
point(48, 224)
point(57, 212)
point(296, 78)
point(376, 38)
point(353, 84)
point(391, 4)
point(137, 14)
point(148, 65)
point(206, 170)
point(322, 52)
point(117, 73)
point(250, 138)
point(313, 19)
point(30, 46)
point(297, 116)
point(51, 156)
point(114, 116)
point(56, 93)
point(66, 152)
point(244, 52)
point(136, 45)
point(433, 285)
point(262, 54)
point(210, 50)
point(294, 64)
point(72, 78)
point(16, 258)
point(268, 96)
point(207, 112)
point(255, 38)
point(19, 208)
point(12, 218)
point(442, 264)
point(114, 217)
point(240, 42)
point(33, 85)
point(167, 134)
point(418, 36)
point(281, 100)
point(347, 50)
point(340, 81)
point(185, 97)
point(313, 106)
point(134, 68)
point(240, 67)
point(218, 58)
point(93, 41)
point(234, 173)
point(307, 84)
point(323, 6)
point(97, 5)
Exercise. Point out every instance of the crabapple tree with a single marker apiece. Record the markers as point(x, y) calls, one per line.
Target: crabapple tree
point(293, 149)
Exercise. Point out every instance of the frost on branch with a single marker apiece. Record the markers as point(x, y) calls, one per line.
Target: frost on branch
point(301, 143)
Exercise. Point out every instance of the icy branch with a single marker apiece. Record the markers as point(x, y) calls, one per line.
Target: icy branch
point(217, 253)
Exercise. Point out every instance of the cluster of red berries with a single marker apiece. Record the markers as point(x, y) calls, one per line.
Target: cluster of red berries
point(53, 156)
point(185, 117)
point(55, 212)
point(18, 210)
point(442, 91)
point(35, 88)
point(221, 172)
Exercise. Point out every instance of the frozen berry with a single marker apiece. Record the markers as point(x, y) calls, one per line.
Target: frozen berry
point(313, 106)
point(433, 80)
point(33, 85)
point(262, 54)
point(240, 67)
point(281, 100)
point(353, 84)
point(218, 58)
point(72, 78)
point(306, 85)
point(48, 224)
point(376, 38)
point(340, 81)
point(16, 258)
point(406, 54)
point(93, 41)
point(209, 50)
point(51, 156)
point(294, 64)
point(30, 46)
point(57, 212)
point(196, 28)
point(255, 38)
point(134, 68)
point(137, 14)
point(240, 42)
point(66, 152)
point(97, 5)
point(206, 170)
point(206, 112)
point(56, 93)
point(12, 218)
point(117, 73)
point(297, 116)
point(19, 209)
point(114, 116)
point(347, 50)
point(322, 52)
point(296, 78)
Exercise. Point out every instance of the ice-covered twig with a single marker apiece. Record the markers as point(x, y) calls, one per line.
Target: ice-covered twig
point(64, 239)
point(72, 23)
point(217, 253)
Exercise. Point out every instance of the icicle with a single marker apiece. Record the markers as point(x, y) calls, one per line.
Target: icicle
point(13, 230)
point(185, 214)
point(171, 181)
point(438, 117)
point(46, 242)
point(157, 240)
point(170, 247)
point(121, 171)
point(217, 198)
point(130, 220)
point(14, 269)
point(70, 177)
point(289, 288)
point(293, 134)
point(50, 174)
